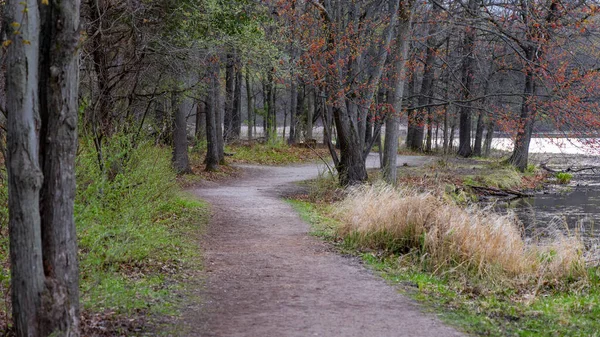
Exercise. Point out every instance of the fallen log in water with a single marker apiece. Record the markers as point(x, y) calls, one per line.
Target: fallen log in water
point(499, 192)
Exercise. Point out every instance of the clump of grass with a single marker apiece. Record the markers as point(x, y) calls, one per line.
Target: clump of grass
point(449, 238)
point(274, 153)
point(563, 177)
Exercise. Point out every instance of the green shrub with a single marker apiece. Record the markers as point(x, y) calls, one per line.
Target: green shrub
point(563, 177)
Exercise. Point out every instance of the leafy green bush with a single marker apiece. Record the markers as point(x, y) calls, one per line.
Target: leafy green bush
point(132, 224)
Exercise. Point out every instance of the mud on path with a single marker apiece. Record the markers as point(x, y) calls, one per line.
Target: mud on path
point(265, 276)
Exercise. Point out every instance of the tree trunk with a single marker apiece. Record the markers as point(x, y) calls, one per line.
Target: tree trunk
point(271, 129)
point(200, 130)
point(489, 136)
point(250, 103)
point(418, 118)
point(219, 116)
point(181, 162)
point(237, 101)
point(23, 165)
point(212, 121)
point(392, 132)
point(468, 72)
point(479, 134)
point(229, 101)
point(293, 105)
point(308, 131)
point(59, 89)
point(520, 153)
point(299, 112)
point(429, 137)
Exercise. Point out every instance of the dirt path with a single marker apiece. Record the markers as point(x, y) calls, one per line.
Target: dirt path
point(265, 276)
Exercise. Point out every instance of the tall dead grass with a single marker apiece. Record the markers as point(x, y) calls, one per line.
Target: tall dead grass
point(453, 239)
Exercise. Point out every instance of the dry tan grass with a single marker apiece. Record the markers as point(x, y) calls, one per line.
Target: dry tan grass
point(451, 238)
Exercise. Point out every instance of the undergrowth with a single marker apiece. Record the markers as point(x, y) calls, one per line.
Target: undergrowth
point(136, 233)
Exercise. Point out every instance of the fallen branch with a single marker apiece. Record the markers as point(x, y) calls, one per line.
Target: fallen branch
point(499, 192)
point(569, 169)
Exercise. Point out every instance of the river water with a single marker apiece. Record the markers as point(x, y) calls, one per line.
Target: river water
point(574, 208)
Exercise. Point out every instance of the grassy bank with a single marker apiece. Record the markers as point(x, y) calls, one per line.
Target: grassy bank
point(137, 239)
point(470, 266)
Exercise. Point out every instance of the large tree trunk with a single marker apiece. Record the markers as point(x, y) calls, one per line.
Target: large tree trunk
point(520, 154)
point(351, 167)
point(23, 165)
point(212, 121)
point(392, 132)
point(468, 72)
point(59, 89)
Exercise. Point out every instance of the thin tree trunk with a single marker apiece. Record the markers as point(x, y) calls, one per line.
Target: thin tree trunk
point(299, 112)
point(23, 165)
point(212, 121)
point(489, 136)
point(429, 130)
point(219, 115)
point(237, 101)
point(250, 103)
point(293, 105)
point(229, 104)
point(392, 132)
point(479, 134)
point(59, 89)
point(310, 114)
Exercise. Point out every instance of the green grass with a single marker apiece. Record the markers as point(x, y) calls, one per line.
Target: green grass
point(137, 234)
point(477, 307)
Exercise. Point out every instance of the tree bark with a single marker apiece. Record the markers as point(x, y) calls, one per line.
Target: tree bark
point(520, 154)
point(479, 134)
point(200, 131)
point(181, 161)
point(293, 104)
point(58, 90)
point(392, 132)
point(308, 127)
point(23, 165)
point(299, 112)
point(249, 101)
point(468, 72)
point(212, 121)
point(489, 136)
point(237, 101)
point(229, 104)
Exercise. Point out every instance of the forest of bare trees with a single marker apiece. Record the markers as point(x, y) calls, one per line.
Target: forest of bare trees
point(432, 76)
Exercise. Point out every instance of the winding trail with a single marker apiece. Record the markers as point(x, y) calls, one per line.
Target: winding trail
point(265, 276)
